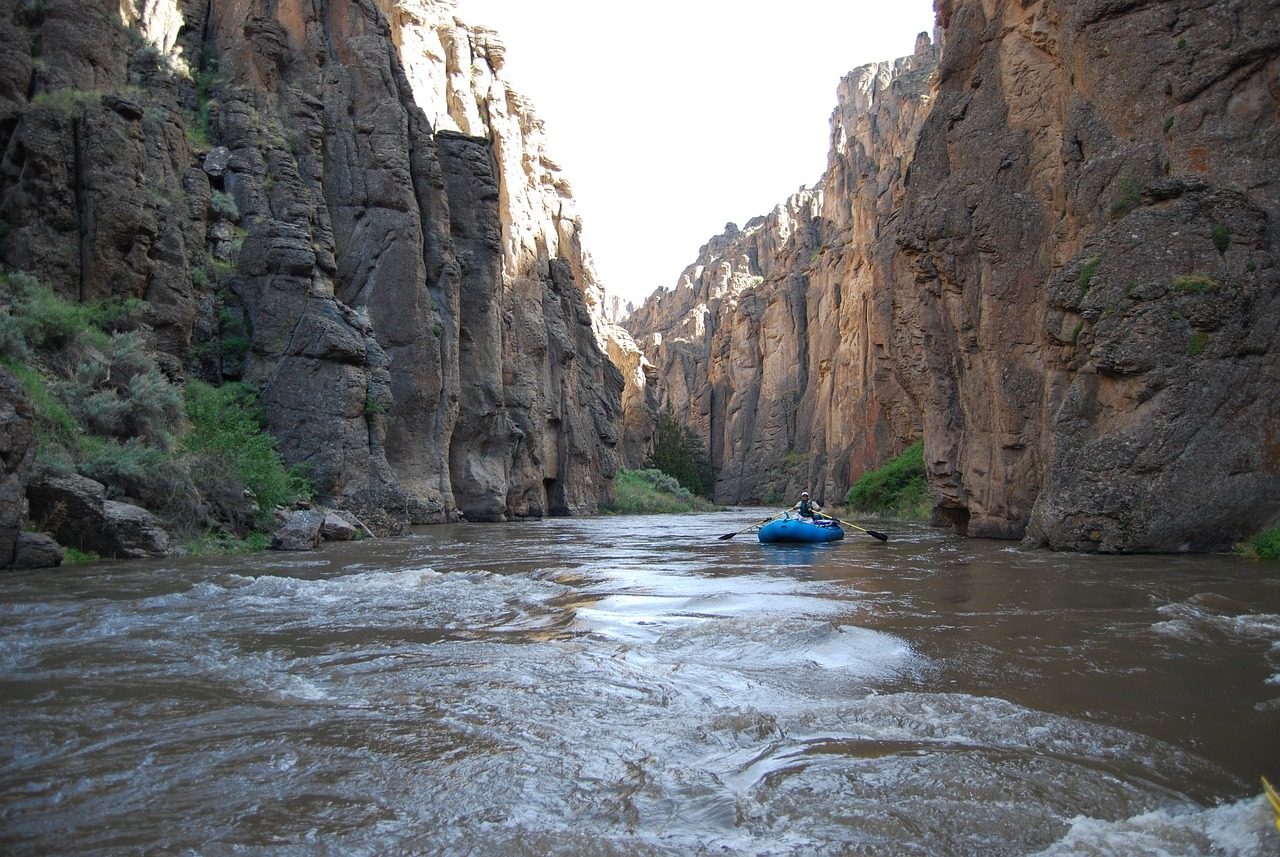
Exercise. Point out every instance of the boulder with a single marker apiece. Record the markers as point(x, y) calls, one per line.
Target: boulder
point(75, 510)
point(132, 532)
point(300, 533)
point(37, 550)
point(336, 528)
point(70, 507)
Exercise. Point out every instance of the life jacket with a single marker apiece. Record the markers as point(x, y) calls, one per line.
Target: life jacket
point(806, 508)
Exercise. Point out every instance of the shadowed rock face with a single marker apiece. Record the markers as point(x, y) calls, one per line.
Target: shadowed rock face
point(1056, 260)
point(1087, 250)
point(17, 454)
point(368, 205)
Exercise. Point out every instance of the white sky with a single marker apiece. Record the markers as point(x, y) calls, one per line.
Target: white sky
point(670, 118)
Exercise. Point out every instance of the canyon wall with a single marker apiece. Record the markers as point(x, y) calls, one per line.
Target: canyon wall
point(1055, 262)
point(344, 204)
point(774, 342)
point(1089, 242)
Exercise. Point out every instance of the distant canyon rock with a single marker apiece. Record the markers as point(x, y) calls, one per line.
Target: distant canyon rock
point(1050, 250)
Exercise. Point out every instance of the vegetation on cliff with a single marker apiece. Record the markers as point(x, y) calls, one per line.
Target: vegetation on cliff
point(196, 455)
point(899, 489)
point(652, 492)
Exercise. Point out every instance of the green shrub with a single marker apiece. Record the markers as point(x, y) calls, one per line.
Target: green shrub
point(224, 206)
point(1265, 545)
point(1221, 237)
point(48, 321)
point(227, 427)
point(899, 488)
point(1086, 273)
point(119, 392)
point(1195, 284)
point(1199, 340)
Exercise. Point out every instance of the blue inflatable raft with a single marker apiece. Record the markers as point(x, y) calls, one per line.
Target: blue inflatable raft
point(797, 529)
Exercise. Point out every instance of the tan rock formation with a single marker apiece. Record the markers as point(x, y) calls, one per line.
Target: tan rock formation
point(368, 201)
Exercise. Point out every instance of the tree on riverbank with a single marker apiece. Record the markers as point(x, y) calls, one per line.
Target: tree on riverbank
point(899, 489)
point(680, 452)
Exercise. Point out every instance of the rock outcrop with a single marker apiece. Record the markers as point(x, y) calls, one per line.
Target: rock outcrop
point(344, 204)
point(1055, 261)
point(17, 454)
point(76, 511)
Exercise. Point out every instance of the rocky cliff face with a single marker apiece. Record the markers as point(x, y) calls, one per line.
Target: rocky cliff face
point(1057, 261)
point(1089, 249)
point(774, 342)
point(345, 204)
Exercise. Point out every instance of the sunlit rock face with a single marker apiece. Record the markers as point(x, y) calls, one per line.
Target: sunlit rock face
point(355, 192)
point(773, 342)
point(1049, 251)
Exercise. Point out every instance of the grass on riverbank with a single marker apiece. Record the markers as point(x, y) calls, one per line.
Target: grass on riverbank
point(897, 490)
point(652, 492)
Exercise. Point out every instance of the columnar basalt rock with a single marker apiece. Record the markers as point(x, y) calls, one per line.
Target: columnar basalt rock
point(355, 193)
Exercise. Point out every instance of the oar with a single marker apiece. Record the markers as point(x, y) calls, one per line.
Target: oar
point(881, 536)
point(727, 536)
point(1273, 798)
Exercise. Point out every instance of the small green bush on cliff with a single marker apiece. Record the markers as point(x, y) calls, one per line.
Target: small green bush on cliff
point(1196, 284)
point(899, 488)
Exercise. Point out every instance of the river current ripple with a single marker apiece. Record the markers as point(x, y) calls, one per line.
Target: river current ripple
point(637, 686)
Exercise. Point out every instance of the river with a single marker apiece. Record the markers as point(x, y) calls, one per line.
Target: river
point(638, 686)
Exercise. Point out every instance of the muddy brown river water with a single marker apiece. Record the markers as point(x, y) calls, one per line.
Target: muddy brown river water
point(634, 685)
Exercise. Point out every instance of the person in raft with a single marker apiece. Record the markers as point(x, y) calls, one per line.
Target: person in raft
point(806, 507)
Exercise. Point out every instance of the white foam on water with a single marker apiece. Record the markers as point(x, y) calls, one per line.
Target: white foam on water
point(751, 645)
point(1242, 829)
point(1207, 617)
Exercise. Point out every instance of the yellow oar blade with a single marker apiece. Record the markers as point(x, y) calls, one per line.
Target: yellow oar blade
point(1274, 798)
